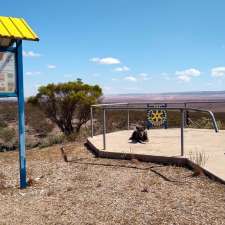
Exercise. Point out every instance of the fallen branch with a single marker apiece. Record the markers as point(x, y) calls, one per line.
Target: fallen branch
point(64, 154)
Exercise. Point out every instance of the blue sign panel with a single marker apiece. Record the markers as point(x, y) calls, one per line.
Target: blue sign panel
point(7, 72)
point(11, 85)
point(157, 116)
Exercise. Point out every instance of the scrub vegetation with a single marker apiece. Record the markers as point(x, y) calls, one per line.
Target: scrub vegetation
point(61, 113)
point(58, 113)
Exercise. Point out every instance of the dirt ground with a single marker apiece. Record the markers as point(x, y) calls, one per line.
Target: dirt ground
point(89, 190)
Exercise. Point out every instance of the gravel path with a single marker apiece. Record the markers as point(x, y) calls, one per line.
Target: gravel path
point(89, 190)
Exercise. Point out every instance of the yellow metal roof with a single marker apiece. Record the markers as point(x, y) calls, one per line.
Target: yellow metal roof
point(16, 28)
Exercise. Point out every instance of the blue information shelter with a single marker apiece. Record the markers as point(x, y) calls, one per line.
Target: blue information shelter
point(12, 32)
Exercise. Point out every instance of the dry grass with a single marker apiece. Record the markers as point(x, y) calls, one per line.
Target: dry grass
point(89, 190)
point(200, 158)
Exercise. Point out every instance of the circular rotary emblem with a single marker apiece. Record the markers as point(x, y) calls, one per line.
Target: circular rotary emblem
point(157, 117)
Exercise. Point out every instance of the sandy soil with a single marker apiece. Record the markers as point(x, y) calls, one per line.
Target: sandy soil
point(89, 190)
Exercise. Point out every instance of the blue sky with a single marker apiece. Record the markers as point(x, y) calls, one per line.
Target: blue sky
point(125, 46)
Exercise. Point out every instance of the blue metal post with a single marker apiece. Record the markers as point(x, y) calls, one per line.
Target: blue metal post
point(20, 95)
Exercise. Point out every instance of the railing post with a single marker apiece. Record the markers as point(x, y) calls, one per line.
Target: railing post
point(182, 132)
point(92, 125)
point(185, 115)
point(104, 130)
point(128, 119)
point(214, 122)
point(166, 123)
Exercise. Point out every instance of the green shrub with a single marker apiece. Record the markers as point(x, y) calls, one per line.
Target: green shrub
point(37, 120)
point(8, 139)
point(32, 143)
point(84, 133)
point(7, 134)
point(3, 124)
point(8, 111)
point(52, 140)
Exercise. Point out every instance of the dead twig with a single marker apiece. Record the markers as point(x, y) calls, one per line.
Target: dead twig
point(64, 154)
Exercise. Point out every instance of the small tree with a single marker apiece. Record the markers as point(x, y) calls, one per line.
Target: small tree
point(67, 104)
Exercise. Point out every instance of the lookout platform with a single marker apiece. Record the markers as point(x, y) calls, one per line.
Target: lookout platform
point(164, 146)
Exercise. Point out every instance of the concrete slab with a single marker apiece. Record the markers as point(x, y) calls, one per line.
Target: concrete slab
point(166, 143)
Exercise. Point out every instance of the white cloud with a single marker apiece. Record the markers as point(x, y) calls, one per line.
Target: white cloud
point(122, 69)
point(144, 76)
point(187, 75)
point(31, 54)
point(184, 78)
point(135, 78)
point(30, 73)
point(130, 78)
point(218, 71)
point(50, 66)
point(105, 61)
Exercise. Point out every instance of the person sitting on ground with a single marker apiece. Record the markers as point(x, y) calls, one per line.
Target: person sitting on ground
point(139, 135)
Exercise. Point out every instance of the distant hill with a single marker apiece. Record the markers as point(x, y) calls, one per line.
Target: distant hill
point(172, 97)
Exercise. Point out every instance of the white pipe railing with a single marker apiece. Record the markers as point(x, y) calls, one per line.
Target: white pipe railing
point(106, 107)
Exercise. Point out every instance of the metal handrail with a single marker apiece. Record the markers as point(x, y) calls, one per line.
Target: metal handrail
point(159, 102)
point(182, 110)
point(109, 104)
